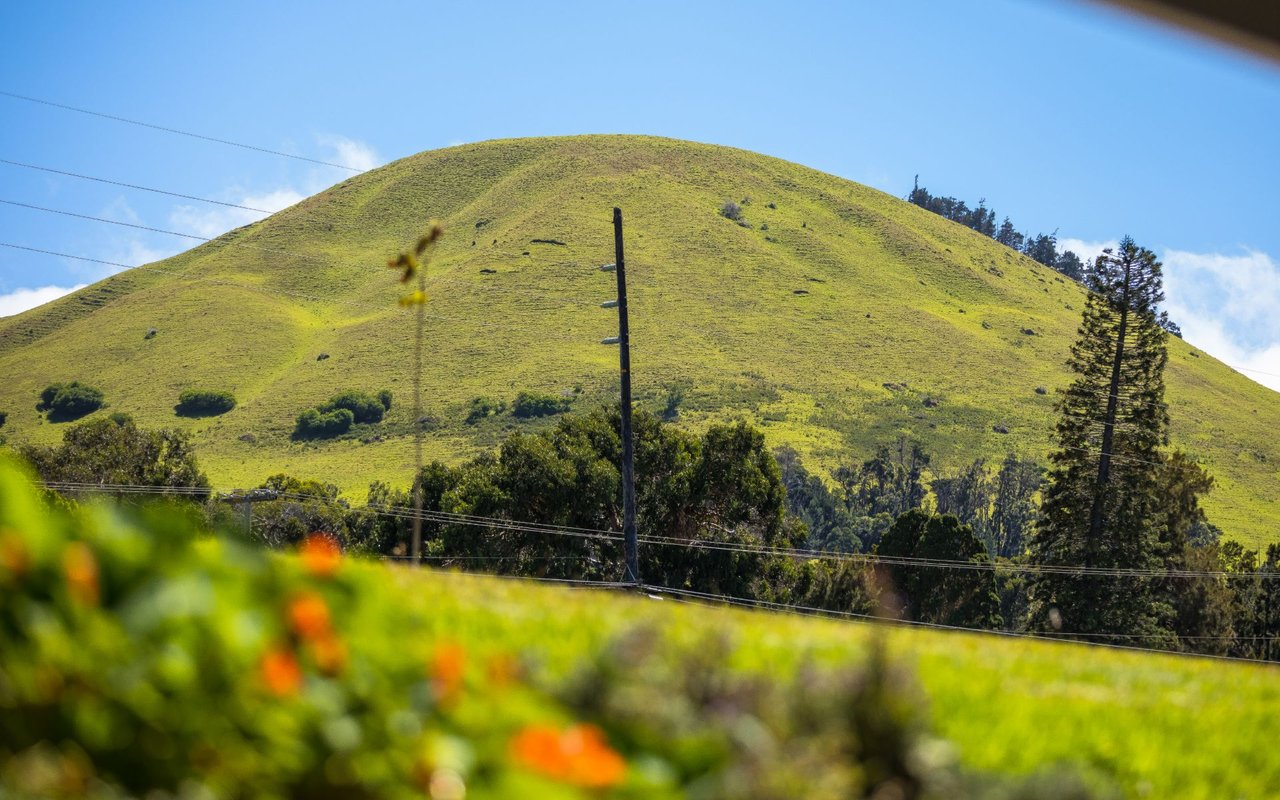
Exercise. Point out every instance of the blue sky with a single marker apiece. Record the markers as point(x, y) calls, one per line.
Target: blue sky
point(1062, 115)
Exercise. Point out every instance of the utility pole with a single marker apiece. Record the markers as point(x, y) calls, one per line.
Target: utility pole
point(245, 499)
point(623, 340)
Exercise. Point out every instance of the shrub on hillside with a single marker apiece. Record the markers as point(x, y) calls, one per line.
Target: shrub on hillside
point(536, 404)
point(67, 401)
point(731, 210)
point(4, 417)
point(316, 424)
point(365, 408)
point(204, 403)
point(384, 397)
point(483, 408)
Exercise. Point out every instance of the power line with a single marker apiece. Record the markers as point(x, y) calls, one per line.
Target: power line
point(134, 186)
point(406, 512)
point(186, 276)
point(232, 243)
point(1064, 637)
point(1255, 371)
point(1103, 639)
point(179, 132)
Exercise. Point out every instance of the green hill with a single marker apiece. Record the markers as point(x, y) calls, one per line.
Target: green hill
point(829, 317)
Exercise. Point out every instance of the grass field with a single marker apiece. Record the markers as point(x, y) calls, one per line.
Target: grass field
point(1160, 725)
point(797, 320)
point(127, 626)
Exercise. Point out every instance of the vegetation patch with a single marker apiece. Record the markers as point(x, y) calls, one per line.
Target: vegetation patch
point(336, 417)
point(63, 402)
point(316, 424)
point(482, 408)
point(530, 405)
point(204, 403)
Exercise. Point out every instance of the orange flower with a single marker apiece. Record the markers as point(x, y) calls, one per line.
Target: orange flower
point(280, 672)
point(502, 670)
point(13, 554)
point(321, 554)
point(309, 616)
point(330, 654)
point(579, 755)
point(447, 667)
point(82, 573)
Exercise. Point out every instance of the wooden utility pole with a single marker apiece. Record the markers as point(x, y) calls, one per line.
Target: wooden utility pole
point(623, 340)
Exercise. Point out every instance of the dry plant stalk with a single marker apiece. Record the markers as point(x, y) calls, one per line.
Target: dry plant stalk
point(414, 266)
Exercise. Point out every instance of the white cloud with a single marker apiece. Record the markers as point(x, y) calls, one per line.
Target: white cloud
point(1086, 250)
point(20, 300)
point(351, 153)
point(1225, 305)
point(212, 222)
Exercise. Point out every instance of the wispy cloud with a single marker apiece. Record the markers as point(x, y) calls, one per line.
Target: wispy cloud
point(1085, 249)
point(1226, 304)
point(351, 153)
point(211, 221)
point(20, 300)
point(138, 248)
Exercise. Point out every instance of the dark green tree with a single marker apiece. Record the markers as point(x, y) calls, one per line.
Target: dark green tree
point(967, 497)
point(1070, 265)
point(1008, 235)
point(1043, 247)
point(301, 507)
point(1102, 503)
point(809, 500)
point(64, 402)
point(889, 483)
point(118, 452)
point(1014, 509)
point(935, 594)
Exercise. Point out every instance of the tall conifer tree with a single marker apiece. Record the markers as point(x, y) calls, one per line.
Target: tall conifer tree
point(1101, 504)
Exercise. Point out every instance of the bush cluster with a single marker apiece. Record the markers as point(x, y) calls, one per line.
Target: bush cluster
point(341, 412)
point(366, 408)
point(316, 424)
point(233, 673)
point(535, 404)
point(204, 403)
point(483, 408)
point(68, 401)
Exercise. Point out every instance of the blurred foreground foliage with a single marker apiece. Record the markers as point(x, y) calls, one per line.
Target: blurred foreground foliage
point(140, 657)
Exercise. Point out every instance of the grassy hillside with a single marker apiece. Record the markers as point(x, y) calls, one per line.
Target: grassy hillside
point(828, 318)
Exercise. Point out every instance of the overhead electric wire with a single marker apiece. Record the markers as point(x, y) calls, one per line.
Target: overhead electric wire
point(178, 131)
point(1091, 639)
point(230, 243)
point(134, 186)
point(367, 306)
point(406, 512)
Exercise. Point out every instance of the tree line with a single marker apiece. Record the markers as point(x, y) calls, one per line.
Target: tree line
point(1042, 247)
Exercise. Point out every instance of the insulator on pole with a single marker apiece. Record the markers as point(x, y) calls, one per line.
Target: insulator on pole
point(612, 340)
point(609, 304)
point(609, 268)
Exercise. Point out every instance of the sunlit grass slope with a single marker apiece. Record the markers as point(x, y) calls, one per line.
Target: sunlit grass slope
point(1159, 725)
point(828, 319)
